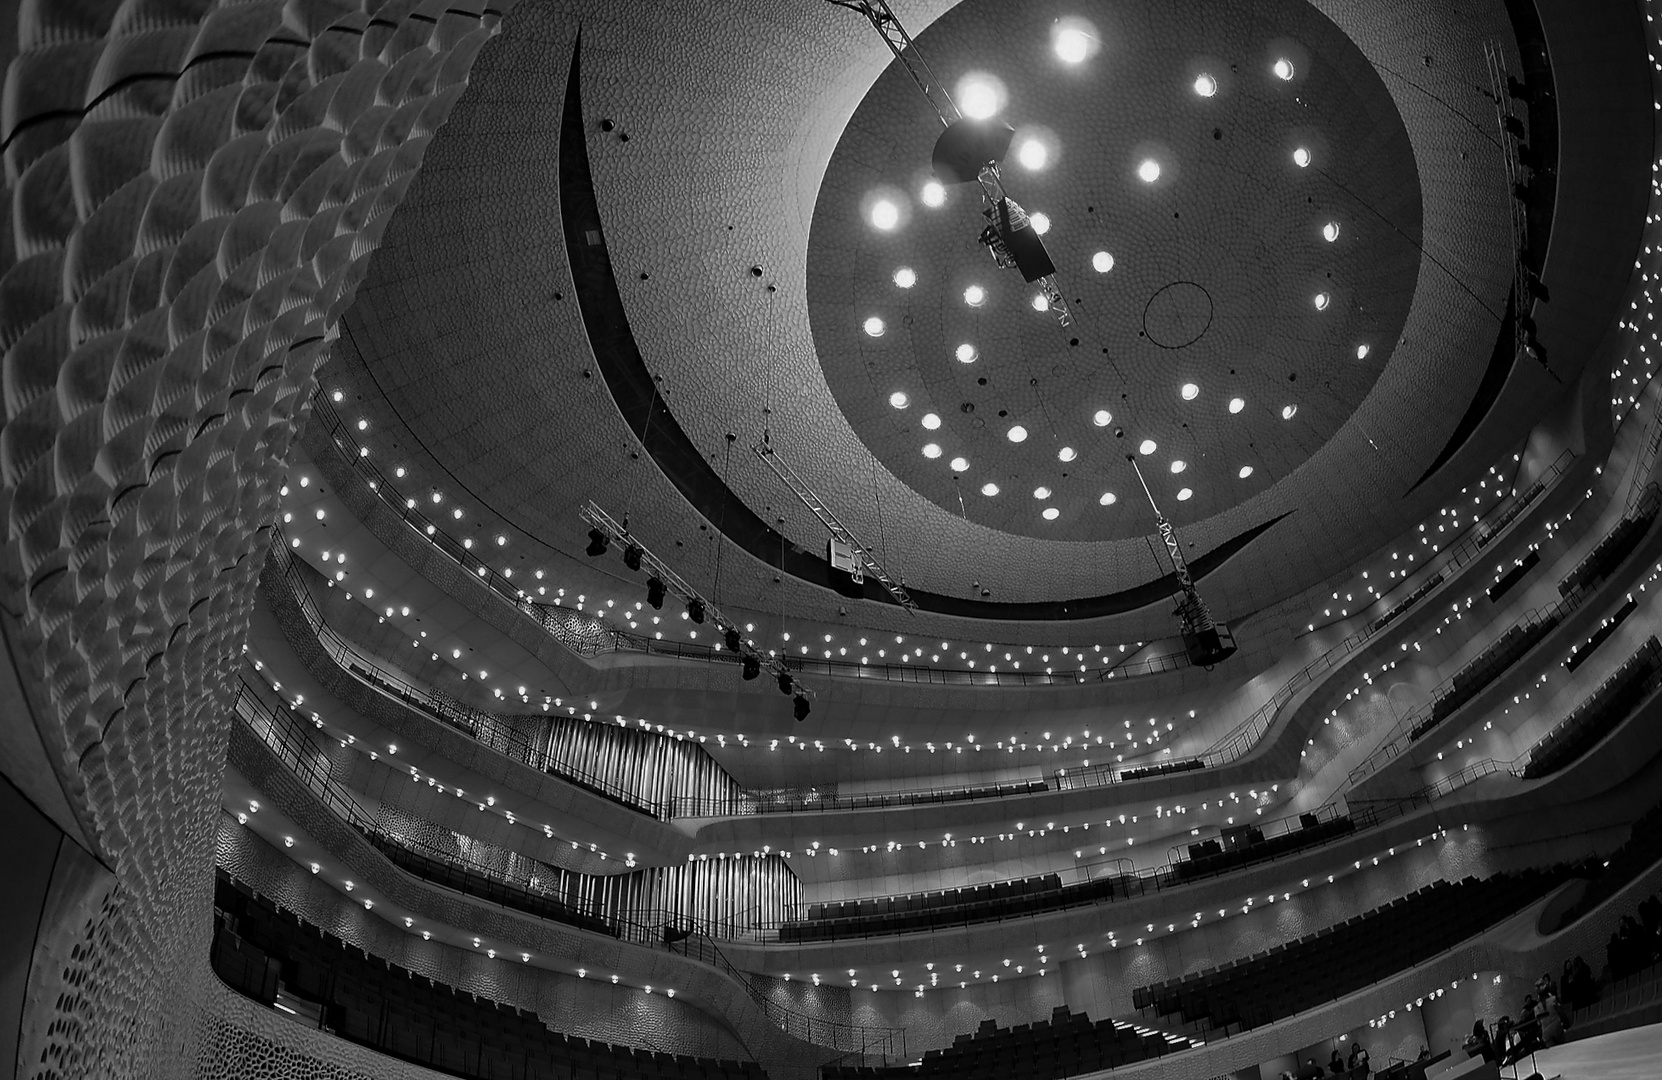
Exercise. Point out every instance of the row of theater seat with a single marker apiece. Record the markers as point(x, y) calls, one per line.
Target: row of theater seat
point(1599, 714)
point(1187, 765)
point(1485, 669)
point(1364, 949)
point(1068, 1044)
point(1408, 601)
point(1641, 851)
point(390, 1009)
point(1608, 627)
point(1212, 857)
point(786, 802)
point(1602, 561)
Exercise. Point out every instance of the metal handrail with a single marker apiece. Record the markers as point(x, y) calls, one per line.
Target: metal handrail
point(287, 738)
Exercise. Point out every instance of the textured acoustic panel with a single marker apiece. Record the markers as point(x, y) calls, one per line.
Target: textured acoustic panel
point(193, 189)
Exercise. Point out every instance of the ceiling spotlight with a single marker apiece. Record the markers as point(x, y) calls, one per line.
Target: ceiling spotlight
point(966, 353)
point(1032, 155)
point(1236, 405)
point(975, 296)
point(979, 96)
point(1041, 302)
point(750, 667)
point(1051, 513)
point(1246, 471)
point(899, 399)
point(1205, 85)
point(655, 592)
point(1102, 418)
point(905, 277)
point(931, 450)
point(1146, 447)
point(1102, 262)
point(874, 327)
point(731, 639)
point(1283, 69)
point(931, 421)
point(1330, 231)
point(695, 610)
point(1067, 453)
point(1301, 158)
point(799, 708)
point(1322, 300)
point(1287, 411)
point(784, 682)
point(1108, 498)
point(1361, 352)
point(1178, 466)
point(598, 543)
point(1185, 495)
point(989, 490)
point(885, 214)
point(1072, 45)
point(1148, 171)
point(1040, 222)
point(632, 557)
point(1190, 391)
point(1041, 493)
point(934, 193)
point(959, 464)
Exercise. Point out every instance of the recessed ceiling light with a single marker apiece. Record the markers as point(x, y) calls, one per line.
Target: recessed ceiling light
point(1041, 302)
point(960, 464)
point(931, 421)
point(1072, 45)
point(1283, 69)
point(1102, 418)
point(1287, 411)
point(1178, 466)
point(1017, 434)
point(905, 277)
point(966, 353)
point(1205, 85)
point(1148, 171)
point(1190, 391)
point(1041, 493)
point(1246, 471)
point(1040, 222)
point(1147, 447)
point(979, 96)
point(931, 450)
point(1032, 154)
point(1051, 513)
point(1301, 158)
point(874, 326)
point(1102, 262)
point(1330, 231)
point(1108, 498)
point(975, 296)
point(1067, 453)
point(934, 194)
point(1236, 405)
point(899, 399)
point(1185, 495)
point(989, 490)
point(1322, 300)
point(885, 214)
point(1361, 352)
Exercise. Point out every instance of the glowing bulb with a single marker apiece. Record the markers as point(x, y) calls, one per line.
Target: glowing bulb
point(1322, 300)
point(1108, 498)
point(1051, 513)
point(885, 215)
point(1246, 471)
point(1041, 302)
point(931, 450)
point(1032, 155)
point(1283, 69)
point(1301, 158)
point(1067, 453)
point(978, 98)
point(874, 326)
point(1017, 434)
point(1148, 171)
point(934, 194)
point(960, 464)
point(1146, 447)
point(1190, 391)
point(989, 490)
point(905, 277)
point(1041, 493)
point(975, 296)
point(1102, 418)
point(1287, 411)
point(1178, 466)
point(1040, 222)
point(931, 422)
point(1185, 495)
point(1330, 231)
point(1361, 352)
point(1205, 85)
point(1102, 262)
point(966, 353)
point(1072, 45)
point(1236, 405)
point(899, 399)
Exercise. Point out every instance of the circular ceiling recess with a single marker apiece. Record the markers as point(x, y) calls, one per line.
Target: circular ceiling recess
point(1239, 251)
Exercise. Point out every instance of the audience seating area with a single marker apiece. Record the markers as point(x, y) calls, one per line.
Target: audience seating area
point(1508, 580)
point(396, 1012)
point(1485, 669)
point(1164, 769)
point(1581, 652)
point(1599, 713)
point(1408, 601)
point(1068, 1044)
point(1320, 967)
point(1602, 561)
point(784, 802)
point(1212, 857)
point(1642, 850)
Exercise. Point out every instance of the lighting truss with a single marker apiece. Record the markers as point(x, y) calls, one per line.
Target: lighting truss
point(803, 492)
point(1206, 640)
point(674, 583)
point(912, 61)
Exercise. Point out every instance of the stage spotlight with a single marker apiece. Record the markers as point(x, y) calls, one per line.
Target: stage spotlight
point(655, 592)
point(732, 640)
point(799, 708)
point(751, 668)
point(598, 543)
point(695, 610)
point(632, 557)
point(784, 682)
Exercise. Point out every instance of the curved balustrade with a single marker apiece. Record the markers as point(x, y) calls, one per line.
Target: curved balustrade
point(1599, 713)
point(651, 928)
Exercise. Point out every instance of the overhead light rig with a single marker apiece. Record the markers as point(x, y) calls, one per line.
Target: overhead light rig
point(605, 531)
point(969, 150)
point(1206, 640)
